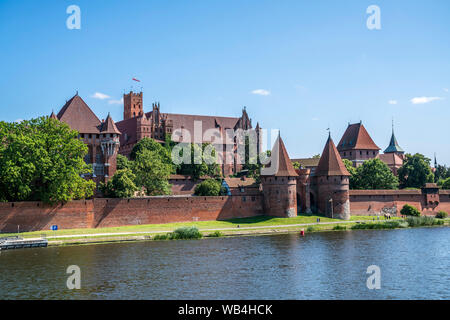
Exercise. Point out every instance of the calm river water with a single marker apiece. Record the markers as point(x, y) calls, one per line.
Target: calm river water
point(414, 263)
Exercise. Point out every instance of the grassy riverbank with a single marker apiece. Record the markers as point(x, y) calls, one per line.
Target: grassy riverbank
point(261, 225)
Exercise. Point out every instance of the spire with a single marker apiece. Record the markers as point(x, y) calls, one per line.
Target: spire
point(108, 126)
point(330, 163)
point(285, 168)
point(393, 144)
point(53, 116)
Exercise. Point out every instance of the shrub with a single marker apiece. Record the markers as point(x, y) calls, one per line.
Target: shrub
point(209, 187)
point(423, 221)
point(442, 215)
point(185, 233)
point(382, 225)
point(216, 234)
point(160, 237)
point(311, 229)
point(338, 227)
point(408, 210)
point(121, 185)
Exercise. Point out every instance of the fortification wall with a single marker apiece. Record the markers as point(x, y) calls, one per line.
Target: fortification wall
point(96, 213)
point(121, 212)
point(375, 202)
point(33, 216)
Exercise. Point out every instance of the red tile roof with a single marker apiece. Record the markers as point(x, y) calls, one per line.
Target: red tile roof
point(307, 162)
point(239, 182)
point(77, 114)
point(108, 126)
point(128, 128)
point(391, 159)
point(330, 163)
point(356, 137)
point(285, 168)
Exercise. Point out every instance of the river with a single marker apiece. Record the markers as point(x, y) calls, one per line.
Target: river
point(414, 264)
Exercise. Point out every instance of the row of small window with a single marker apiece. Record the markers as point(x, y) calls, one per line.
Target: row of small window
point(244, 199)
point(360, 153)
point(97, 136)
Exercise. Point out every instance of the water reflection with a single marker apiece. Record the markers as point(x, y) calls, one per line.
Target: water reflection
point(333, 265)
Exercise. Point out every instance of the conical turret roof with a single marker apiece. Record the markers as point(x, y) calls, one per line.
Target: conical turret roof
point(53, 116)
point(108, 126)
point(393, 145)
point(285, 168)
point(330, 163)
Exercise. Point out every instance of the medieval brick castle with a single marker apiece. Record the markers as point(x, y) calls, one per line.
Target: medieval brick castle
point(319, 185)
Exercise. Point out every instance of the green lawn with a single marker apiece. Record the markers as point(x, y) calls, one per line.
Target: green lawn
point(259, 221)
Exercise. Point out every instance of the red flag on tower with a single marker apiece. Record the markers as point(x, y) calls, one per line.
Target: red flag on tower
point(136, 80)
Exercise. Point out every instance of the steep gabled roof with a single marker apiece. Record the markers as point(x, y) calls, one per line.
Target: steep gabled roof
point(77, 114)
point(356, 137)
point(330, 163)
point(108, 126)
point(285, 168)
point(393, 145)
point(53, 116)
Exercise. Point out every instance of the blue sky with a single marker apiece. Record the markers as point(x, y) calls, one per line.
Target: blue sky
point(316, 64)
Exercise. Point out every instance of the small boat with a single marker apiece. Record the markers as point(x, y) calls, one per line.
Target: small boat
point(19, 243)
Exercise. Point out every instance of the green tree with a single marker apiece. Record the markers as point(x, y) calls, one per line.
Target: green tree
point(442, 172)
point(209, 187)
point(121, 185)
point(203, 162)
point(408, 210)
point(415, 172)
point(374, 174)
point(352, 170)
point(152, 173)
point(446, 184)
point(151, 145)
point(296, 165)
point(252, 163)
point(123, 162)
point(42, 160)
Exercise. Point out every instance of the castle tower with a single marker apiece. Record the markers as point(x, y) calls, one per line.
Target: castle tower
point(109, 144)
point(132, 105)
point(393, 145)
point(356, 145)
point(331, 184)
point(280, 184)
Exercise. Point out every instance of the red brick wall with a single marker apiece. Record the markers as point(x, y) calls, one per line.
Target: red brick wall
point(33, 216)
point(280, 196)
point(373, 202)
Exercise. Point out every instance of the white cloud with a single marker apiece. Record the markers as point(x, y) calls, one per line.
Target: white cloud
point(19, 120)
point(315, 119)
point(446, 89)
point(422, 100)
point(261, 92)
point(392, 101)
point(101, 96)
point(116, 101)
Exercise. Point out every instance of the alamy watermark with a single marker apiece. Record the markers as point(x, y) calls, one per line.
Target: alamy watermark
point(225, 147)
point(74, 20)
point(374, 20)
point(374, 280)
point(74, 280)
